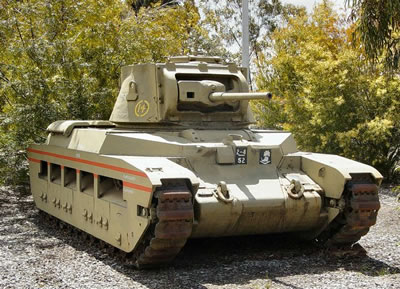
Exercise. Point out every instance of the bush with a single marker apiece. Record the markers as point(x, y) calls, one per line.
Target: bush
point(327, 95)
point(62, 59)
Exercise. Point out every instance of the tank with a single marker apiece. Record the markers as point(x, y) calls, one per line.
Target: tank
point(178, 159)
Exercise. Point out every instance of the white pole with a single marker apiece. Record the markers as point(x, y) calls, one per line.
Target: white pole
point(245, 35)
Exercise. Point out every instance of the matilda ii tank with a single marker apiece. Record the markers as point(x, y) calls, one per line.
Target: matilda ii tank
point(178, 159)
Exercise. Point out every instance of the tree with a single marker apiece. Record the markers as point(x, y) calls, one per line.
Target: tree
point(378, 23)
point(223, 20)
point(137, 4)
point(327, 95)
point(62, 59)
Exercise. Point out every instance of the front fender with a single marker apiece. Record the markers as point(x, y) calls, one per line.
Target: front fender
point(332, 172)
point(161, 168)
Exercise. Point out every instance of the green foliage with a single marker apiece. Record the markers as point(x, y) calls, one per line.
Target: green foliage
point(224, 21)
point(137, 4)
point(327, 95)
point(62, 59)
point(378, 23)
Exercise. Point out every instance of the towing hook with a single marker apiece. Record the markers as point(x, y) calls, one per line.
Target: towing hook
point(295, 190)
point(222, 193)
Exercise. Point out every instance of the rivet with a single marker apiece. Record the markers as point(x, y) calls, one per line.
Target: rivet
point(105, 224)
point(118, 238)
point(99, 221)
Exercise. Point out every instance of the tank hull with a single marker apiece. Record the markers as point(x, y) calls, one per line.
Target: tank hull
point(75, 179)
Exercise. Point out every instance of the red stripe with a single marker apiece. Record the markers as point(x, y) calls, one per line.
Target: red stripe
point(101, 165)
point(137, 187)
point(95, 176)
point(34, 160)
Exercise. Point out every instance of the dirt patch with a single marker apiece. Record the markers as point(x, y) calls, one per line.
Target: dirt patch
point(37, 254)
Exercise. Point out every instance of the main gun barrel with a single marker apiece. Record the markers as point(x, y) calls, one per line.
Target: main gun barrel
point(229, 96)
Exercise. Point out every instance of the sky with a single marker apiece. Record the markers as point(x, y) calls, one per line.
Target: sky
point(338, 4)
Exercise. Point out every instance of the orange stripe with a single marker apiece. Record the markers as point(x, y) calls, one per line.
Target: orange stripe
point(34, 160)
point(137, 187)
point(101, 165)
point(95, 176)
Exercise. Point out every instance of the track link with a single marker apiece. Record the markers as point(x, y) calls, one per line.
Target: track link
point(360, 212)
point(169, 234)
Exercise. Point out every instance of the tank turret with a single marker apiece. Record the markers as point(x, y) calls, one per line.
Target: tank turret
point(185, 90)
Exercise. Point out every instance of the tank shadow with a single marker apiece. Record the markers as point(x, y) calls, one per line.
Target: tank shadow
point(230, 260)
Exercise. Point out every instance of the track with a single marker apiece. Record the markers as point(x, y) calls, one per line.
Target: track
point(359, 214)
point(171, 230)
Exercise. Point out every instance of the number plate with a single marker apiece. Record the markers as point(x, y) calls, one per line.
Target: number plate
point(241, 156)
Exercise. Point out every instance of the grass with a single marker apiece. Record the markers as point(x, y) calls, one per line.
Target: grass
point(383, 271)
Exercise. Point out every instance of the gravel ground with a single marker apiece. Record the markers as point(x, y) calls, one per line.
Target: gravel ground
point(34, 254)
